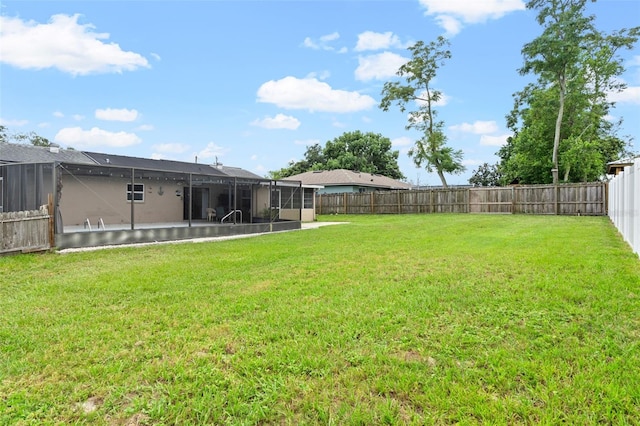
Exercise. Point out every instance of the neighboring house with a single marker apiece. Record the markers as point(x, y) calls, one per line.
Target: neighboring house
point(617, 167)
point(105, 192)
point(341, 180)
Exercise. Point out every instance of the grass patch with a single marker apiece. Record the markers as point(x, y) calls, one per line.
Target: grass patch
point(420, 319)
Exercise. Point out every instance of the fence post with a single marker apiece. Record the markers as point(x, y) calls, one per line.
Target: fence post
point(373, 210)
point(398, 201)
point(344, 197)
point(52, 235)
point(556, 193)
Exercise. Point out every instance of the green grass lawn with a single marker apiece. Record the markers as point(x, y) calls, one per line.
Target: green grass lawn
point(417, 319)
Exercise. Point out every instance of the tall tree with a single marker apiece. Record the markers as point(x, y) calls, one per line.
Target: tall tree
point(416, 87)
point(564, 112)
point(32, 137)
point(486, 175)
point(365, 152)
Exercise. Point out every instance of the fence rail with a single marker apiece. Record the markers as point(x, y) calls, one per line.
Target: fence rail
point(25, 231)
point(566, 199)
point(624, 204)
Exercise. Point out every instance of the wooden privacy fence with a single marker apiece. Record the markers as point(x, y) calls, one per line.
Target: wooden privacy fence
point(25, 231)
point(566, 199)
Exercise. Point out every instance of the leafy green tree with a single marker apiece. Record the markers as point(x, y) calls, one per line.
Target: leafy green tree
point(418, 74)
point(32, 137)
point(486, 175)
point(564, 113)
point(4, 134)
point(365, 152)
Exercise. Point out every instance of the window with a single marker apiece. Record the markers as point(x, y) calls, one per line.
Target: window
point(138, 192)
point(308, 198)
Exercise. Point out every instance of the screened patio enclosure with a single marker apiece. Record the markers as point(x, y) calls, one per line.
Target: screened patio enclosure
point(103, 205)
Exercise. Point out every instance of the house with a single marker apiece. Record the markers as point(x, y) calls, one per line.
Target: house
point(617, 167)
point(104, 199)
point(341, 180)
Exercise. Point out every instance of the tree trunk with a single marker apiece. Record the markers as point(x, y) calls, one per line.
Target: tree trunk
point(556, 137)
point(442, 179)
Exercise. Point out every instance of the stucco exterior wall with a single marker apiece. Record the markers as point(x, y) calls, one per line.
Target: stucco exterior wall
point(97, 198)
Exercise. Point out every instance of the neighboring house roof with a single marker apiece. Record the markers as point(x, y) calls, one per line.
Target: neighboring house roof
point(615, 167)
point(23, 153)
point(342, 177)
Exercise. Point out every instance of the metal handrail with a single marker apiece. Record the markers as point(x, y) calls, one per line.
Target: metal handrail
point(230, 213)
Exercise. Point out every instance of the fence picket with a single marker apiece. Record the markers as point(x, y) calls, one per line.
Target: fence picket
point(568, 199)
point(24, 231)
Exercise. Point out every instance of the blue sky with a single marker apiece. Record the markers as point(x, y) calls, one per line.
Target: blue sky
point(252, 83)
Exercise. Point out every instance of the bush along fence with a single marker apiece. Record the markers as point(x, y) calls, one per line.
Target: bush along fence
point(566, 199)
point(26, 231)
point(624, 204)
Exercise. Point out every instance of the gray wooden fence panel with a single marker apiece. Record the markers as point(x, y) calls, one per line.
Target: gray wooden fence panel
point(24, 231)
point(566, 199)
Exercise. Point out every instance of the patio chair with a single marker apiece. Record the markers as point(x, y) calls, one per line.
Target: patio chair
point(211, 214)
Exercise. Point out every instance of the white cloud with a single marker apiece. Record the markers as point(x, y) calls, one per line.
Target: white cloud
point(488, 140)
point(111, 114)
point(64, 44)
point(58, 114)
point(145, 127)
point(402, 141)
point(44, 124)
point(212, 151)
point(451, 25)
point(478, 127)
point(78, 117)
point(370, 40)
point(173, 148)
point(380, 66)
point(313, 95)
point(96, 137)
point(630, 95)
point(323, 43)
point(13, 123)
point(254, 157)
point(451, 14)
point(330, 37)
point(280, 121)
point(155, 56)
point(322, 75)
